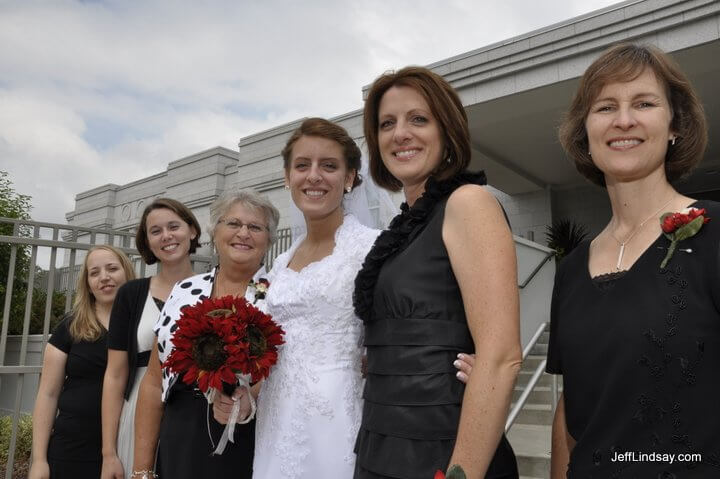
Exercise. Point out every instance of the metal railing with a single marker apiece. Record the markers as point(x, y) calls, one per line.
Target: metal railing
point(28, 241)
point(520, 403)
point(34, 239)
point(537, 269)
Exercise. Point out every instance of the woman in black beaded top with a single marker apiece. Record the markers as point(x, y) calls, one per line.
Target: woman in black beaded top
point(638, 344)
point(441, 280)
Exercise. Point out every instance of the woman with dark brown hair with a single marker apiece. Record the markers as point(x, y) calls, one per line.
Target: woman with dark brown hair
point(309, 407)
point(440, 281)
point(173, 420)
point(168, 234)
point(635, 322)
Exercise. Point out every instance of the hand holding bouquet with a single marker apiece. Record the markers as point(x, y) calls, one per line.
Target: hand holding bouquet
point(224, 341)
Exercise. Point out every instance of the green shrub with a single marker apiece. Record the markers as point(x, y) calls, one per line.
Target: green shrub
point(23, 444)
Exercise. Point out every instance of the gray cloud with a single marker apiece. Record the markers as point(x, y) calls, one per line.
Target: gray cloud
point(109, 92)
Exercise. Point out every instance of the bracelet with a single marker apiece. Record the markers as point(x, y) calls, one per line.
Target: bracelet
point(144, 474)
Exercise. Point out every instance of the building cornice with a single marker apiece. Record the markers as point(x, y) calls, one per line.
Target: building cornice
point(218, 150)
point(627, 21)
point(269, 181)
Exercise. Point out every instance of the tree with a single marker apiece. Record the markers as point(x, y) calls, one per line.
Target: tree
point(16, 205)
point(13, 205)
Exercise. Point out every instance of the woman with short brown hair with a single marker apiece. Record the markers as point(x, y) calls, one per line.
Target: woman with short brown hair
point(635, 319)
point(440, 281)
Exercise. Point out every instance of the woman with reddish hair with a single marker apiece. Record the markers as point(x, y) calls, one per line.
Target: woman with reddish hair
point(440, 281)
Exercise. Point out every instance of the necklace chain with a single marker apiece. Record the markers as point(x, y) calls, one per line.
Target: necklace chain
point(632, 233)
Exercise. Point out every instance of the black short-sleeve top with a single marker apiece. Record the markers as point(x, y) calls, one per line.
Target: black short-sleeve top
point(77, 427)
point(640, 357)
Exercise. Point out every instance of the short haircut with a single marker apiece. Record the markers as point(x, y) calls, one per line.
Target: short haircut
point(250, 199)
point(623, 63)
point(323, 128)
point(446, 107)
point(141, 238)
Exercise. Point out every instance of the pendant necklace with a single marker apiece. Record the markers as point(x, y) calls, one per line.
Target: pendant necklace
point(632, 233)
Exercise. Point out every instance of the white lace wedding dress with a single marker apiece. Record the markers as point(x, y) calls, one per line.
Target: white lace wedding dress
point(309, 408)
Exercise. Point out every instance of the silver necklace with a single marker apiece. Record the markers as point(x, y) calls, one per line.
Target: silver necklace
point(632, 233)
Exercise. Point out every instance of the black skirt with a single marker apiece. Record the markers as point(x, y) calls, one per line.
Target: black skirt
point(185, 448)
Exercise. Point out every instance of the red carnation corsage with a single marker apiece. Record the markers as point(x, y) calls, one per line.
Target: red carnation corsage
point(680, 226)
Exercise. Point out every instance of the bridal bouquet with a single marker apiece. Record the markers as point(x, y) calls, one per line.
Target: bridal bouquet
point(224, 343)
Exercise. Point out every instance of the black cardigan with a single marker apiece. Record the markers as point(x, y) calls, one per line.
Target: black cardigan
point(124, 320)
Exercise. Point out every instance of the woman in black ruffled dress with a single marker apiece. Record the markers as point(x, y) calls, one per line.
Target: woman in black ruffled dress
point(440, 281)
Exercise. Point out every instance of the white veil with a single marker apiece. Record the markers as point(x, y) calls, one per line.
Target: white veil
point(369, 203)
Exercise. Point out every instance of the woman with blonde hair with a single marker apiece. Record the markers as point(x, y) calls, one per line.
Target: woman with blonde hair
point(66, 418)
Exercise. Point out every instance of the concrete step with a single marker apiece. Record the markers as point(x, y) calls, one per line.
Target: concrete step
point(531, 362)
point(545, 380)
point(539, 394)
point(540, 349)
point(535, 414)
point(531, 444)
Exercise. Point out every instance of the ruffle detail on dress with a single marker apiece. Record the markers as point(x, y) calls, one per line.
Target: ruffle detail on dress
point(377, 456)
point(378, 453)
point(397, 234)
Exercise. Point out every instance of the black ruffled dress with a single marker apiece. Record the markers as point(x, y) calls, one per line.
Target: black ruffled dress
point(415, 325)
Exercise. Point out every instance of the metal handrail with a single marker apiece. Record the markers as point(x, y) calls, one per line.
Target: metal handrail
point(537, 269)
point(533, 380)
point(523, 397)
point(534, 340)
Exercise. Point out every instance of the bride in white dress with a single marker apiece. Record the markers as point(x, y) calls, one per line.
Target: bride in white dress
point(309, 408)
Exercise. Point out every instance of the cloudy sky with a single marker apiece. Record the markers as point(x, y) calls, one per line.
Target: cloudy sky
point(96, 92)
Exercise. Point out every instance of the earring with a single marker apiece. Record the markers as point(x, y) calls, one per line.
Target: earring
point(287, 187)
point(589, 154)
point(672, 140)
point(348, 189)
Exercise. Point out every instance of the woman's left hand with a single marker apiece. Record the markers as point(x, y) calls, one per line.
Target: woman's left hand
point(464, 364)
point(223, 404)
point(112, 468)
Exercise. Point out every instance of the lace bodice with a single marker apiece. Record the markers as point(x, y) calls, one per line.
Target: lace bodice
point(322, 350)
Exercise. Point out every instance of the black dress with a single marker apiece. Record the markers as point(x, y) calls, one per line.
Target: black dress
point(415, 325)
point(188, 432)
point(639, 355)
point(75, 446)
point(185, 448)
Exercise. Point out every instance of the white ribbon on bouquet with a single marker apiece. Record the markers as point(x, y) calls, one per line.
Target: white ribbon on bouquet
point(229, 431)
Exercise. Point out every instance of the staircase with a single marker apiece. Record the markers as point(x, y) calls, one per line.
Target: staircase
point(531, 431)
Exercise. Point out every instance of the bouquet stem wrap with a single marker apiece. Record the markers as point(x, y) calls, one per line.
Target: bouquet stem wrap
point(229, 431)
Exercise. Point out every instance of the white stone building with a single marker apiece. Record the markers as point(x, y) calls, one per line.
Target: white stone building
point(514, 93)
